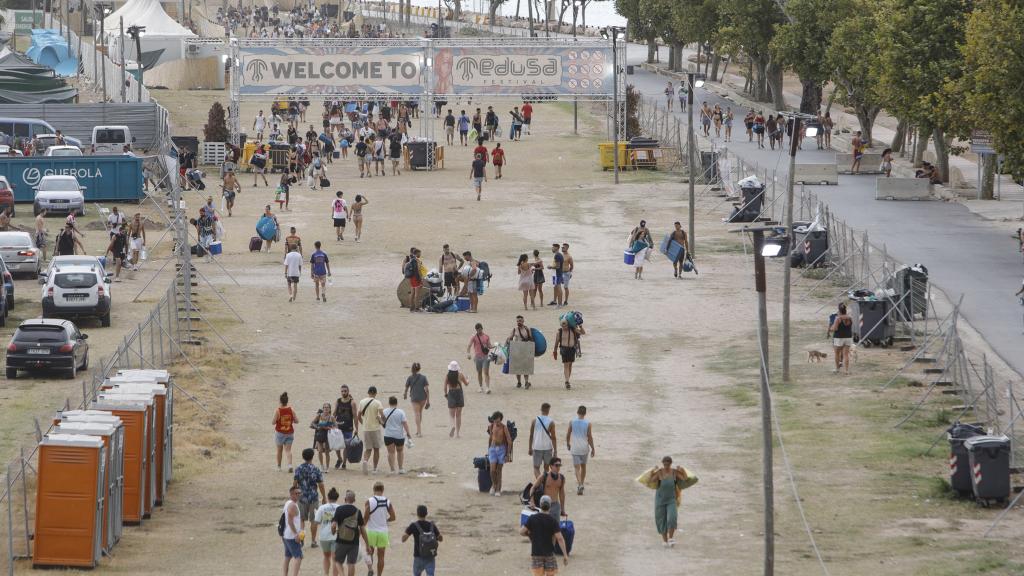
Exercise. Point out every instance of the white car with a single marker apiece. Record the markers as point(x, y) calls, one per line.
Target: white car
point(59, 194)
point(6, 150)
point(65, 261)
point(75, 291)
point(64, 151)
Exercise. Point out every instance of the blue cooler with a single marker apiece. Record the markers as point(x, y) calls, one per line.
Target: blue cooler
point(462, 304)
point(628, 258)
point(525, 515)
point(216, 249)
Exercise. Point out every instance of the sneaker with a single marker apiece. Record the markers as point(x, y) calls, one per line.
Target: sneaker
point(497, 494)
point(552, 303)
point(567, 385)
point(492, 491)
point(337, 464)
point(401, 470)
point(488, 390)
point(314, 545)
point(671, 542)
point(289, 469)
point(579, 490)
point(366, 468)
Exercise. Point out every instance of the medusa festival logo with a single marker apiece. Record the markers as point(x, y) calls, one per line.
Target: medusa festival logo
point(514, 70)
point(256, 68)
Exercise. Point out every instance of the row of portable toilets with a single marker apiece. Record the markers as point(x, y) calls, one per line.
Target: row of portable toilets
point(103, 468)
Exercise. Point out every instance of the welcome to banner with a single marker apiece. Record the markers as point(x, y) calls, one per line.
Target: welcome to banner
point(326, 71)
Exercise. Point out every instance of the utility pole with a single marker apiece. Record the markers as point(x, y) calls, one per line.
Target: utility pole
point(102, 15)
point(124, 81)
point(691, 145)
point(787, 265)
point(766, 405)
point(575, 101)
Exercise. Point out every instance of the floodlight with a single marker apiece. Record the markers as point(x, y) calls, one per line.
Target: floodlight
point(811, 131)
point(770, 250)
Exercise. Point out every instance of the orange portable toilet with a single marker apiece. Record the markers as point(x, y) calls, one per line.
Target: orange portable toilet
point(117, 472)
point(69, 501)
point(149, 399)
point(164, 399)
point(163, 377)
point(109, 433)
point(135, 416)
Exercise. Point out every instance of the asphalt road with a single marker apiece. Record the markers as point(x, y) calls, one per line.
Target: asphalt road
point(963, 253)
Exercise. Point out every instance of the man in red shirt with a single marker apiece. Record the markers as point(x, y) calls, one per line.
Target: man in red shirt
point(498, 159)
point(527, 115)
point(481, 150)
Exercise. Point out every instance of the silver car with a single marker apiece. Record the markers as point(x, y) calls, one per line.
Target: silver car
point(60, 194)
point(19, 252)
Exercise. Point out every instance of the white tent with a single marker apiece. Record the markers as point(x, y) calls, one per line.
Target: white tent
point(161, 42)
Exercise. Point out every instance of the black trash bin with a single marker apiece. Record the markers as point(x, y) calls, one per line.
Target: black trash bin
point(911, 286)
point(959, 464)
point(989, 457)
point(810, 245)
point(422, 154)
point(751, 200)
point(872, 323)
point(708, 168)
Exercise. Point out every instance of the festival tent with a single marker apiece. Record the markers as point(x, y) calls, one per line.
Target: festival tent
point(161, 42)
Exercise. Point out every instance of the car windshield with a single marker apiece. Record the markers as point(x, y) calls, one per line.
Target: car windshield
point(40, 334)
point(66, 152)
point(110, 136)
point(59, 185)
point(4, 185)
point(72, 280)
point(15, 240)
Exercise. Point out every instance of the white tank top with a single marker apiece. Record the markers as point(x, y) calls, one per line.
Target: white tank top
point(541, 438)
point(378, 519)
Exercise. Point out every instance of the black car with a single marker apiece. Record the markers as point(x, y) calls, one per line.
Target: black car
point(47, 343)
point(8, 295)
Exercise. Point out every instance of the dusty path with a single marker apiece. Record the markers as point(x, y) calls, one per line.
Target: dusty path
point(641, 375)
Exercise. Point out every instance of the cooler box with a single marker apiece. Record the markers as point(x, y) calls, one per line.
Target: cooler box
point(989, 457)
point(628, 258)
point(462, 304)
point(525, 514)
point(216, 248)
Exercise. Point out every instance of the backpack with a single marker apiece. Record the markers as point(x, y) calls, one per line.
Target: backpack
point(280, 525)
point(410, 269)
point(348, 529)
point(512, 432)
point(428, 541)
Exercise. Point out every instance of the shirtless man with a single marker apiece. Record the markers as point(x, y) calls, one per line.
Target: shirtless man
point(566, 273)
point(499, 447)
point(520, 332)
point(136, 239)
point(230, 188)
point(857, 144)
point(449, 265)
point(553, 482)
point(679, 235)
point(568, 338)
point(41, 234)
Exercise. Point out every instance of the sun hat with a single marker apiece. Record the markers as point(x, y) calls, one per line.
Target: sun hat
point(453, 366)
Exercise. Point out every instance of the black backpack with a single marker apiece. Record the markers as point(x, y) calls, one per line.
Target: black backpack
point(280, 525)
point(411, 268)
point(428, 541)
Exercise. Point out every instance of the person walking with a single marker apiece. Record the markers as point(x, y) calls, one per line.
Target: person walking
point(748, 122)
point(417, 390)
point(499, 449)
point(463, 128)
point(705, 119)
point(426, 537)
point(378, 511)
point(363, 156)
point(538, 280)
point(544, 532)
point(322, 424)
point(478, 350)
point(449, 128)
point(498, 159)
point(826, 127)
point(396, 431)
point(679, 236)
point(520, 333)
point(525, 271)
point(344, 418)
point(568, 344)
point(395, 153)
point(449, 265)
point(411, 270)
point(319, 271)
point(310, 481)
point(772, 127)
point(284, 430)
point(727, 119)
point(373, 428)
point(324, 517)
point(356, 211)
point(117, 249)
point(552, 485)
point(349, 524)
point(842, 339)
point(759, 124)
point(557, 280)
point(40, 234)
point(293, 533)
point(857, 146)
point(292, 271)
point(543, 446)
point(471, 277)
point(716, 117)
point(579, 440)
point(230, 187)
point(886, 166)
point(136, 239)
point(527, 116)
point(640, 244)
point(454, 384)
point(478, 174)
point(339, 212)
point(569, 267)
point(666, 499)
point(670, 96)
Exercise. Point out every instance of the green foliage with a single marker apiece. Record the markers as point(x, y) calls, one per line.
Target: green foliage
point(991, 89)
point(802, 44)
point(216, 128)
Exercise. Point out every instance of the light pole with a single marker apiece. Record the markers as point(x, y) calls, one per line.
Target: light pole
point(136, 34)
point(787, 267)
point(693, 80)
point(614, 32)
point(575, 101)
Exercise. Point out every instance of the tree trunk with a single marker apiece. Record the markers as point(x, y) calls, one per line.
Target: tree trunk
point(491, 11)
point(748, 85)
point(924, 132)
point(900, 137)
point(698, 56)
point(941, 154)
point(652, 48)
point(561, 15)
point(866, 119)
point(831, 99)
point(671, 58)
point(760, 80)
point(517, 8)
point(988, 176)
point(529, 12)
point(775, 82)
point(583, 14)
point(715, 62)
point(677, 47)
point(810, 97)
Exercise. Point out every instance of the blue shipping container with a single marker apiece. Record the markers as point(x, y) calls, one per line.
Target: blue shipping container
point(105, 178)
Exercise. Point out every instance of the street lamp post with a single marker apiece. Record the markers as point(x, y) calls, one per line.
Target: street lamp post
point(615, 31)
point(692, 81)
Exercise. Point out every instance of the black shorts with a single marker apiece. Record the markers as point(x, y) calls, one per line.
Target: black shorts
point(339, 222)
point(527, 120)
point(568, 354)
point(449, 278)
point(346, 553)
point(394, 441)
point(293, 279)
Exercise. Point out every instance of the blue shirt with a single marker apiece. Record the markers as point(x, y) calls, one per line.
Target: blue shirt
point(319, 261)
point(559, 263)
point(464, 123)
point(308, 476)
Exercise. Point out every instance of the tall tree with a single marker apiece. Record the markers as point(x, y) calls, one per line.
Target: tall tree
point(749, 26)
point(919, 53)
point(640, 17)
point(801, 44)
point(852, 56)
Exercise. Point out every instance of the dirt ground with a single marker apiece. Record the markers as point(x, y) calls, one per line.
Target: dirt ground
point(668, 368)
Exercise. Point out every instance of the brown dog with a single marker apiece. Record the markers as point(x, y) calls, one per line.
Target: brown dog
point(815, 356)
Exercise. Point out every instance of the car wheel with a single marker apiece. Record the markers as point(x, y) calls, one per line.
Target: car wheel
point(12, 373)
point(105, 320)
point(85, 362)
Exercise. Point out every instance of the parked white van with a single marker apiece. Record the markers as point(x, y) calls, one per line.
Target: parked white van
point(111, 140)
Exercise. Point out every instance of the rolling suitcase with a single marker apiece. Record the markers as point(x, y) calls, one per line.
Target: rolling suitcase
point(354, 450)
point(255, 244)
